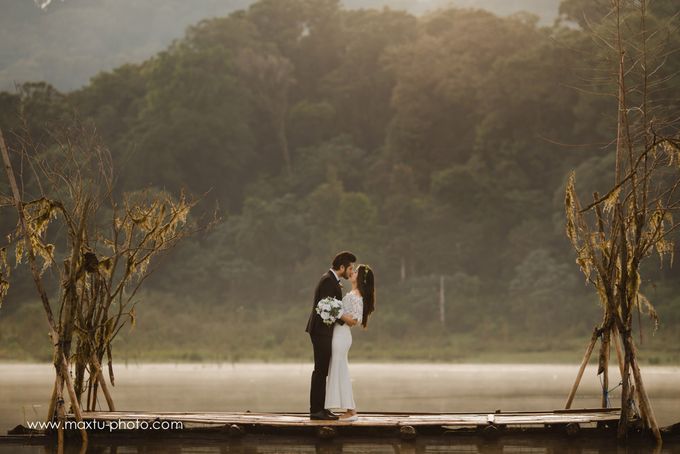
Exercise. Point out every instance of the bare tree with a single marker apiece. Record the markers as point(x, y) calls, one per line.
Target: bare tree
point(615, 233)
point(106, 251)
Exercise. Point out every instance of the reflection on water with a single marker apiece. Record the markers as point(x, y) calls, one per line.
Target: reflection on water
point(24, 390)
point(468, 445)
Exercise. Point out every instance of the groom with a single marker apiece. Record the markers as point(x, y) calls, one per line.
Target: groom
point(322, 334)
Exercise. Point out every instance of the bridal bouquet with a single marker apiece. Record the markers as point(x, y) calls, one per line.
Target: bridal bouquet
point(330, 309)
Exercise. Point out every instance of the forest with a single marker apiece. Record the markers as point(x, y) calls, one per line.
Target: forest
point(436, 147)
point(76, 39)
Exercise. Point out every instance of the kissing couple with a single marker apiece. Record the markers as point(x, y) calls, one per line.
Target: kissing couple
point(331, 388)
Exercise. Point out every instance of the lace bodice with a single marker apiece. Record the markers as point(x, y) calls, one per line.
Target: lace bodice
point(353, 305)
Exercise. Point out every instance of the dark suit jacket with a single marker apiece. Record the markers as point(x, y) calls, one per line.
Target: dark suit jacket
point(328, 286)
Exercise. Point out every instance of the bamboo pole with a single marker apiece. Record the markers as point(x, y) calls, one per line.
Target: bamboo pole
point(643, 398)
point(617, 347)
point(584, 363)
point(630, 360)
point(89, 393)
point(61, 414)
point(627, 396)
point(95, 386)
point(604, 366)
point(625, 401)
point(53, 401)
point(102, 382)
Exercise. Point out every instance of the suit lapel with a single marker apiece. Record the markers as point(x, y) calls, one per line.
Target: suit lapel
point(337, 283)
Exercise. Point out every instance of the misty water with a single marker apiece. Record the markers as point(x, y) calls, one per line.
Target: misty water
point(25, 388)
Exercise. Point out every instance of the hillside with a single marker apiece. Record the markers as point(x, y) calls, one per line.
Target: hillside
point(70, 41)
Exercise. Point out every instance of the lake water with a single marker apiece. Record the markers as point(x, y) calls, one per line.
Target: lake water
point(25, 389)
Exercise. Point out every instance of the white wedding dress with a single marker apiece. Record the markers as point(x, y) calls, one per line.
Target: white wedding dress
point(338, 385)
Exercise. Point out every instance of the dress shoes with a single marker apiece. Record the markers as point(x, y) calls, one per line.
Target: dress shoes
point(323, 416)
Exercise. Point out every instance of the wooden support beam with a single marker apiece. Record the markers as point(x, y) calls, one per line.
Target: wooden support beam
point(584, 363)
point(408, 432)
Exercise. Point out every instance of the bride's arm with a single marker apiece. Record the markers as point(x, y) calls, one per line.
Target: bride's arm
point(347, 318)
point(348, 315)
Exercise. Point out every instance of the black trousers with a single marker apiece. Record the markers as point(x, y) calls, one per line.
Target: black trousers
point(322, 360)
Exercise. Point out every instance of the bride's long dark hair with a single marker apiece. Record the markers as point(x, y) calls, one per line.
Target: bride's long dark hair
point(366, 285)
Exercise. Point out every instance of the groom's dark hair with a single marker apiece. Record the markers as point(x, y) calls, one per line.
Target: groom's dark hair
point(343, 258)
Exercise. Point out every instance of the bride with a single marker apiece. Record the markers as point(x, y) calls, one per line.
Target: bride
point(357, 305)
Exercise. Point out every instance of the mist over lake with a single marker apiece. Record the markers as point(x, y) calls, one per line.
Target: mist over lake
point(378, 387)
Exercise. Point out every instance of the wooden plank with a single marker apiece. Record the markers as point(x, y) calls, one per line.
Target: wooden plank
point(365, 419)
point(391, 415)
point(489, 417)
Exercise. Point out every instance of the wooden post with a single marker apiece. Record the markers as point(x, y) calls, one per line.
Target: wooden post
point(604, 365)
point(626, 397)
point(442, 302)
point(572, 429)
point(617, 347)
point(95, 387)
point(408, 432)
point(326, 432)
point(61, 413)
point(102, 382)
point(53, 400)
point(643, 399)
point(236, 431)
point(584, 363)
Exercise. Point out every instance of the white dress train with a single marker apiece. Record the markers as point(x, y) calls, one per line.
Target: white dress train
point(338, 385)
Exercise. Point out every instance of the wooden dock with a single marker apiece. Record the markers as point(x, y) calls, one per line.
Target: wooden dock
point(589, 425)
point(584, 416)
point(406, 425)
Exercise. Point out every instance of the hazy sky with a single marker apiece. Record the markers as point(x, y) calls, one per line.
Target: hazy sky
point(69, 41)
